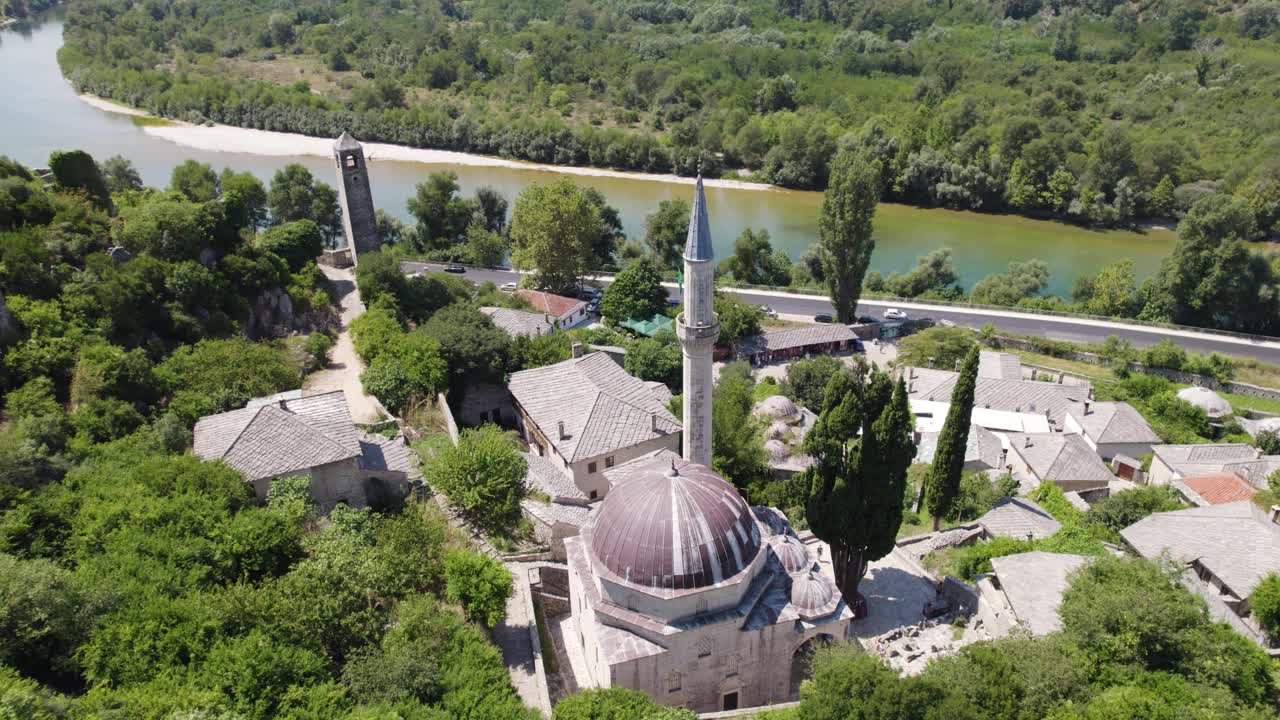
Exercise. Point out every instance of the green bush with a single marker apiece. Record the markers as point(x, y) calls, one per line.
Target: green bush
point(1264, 603)
point(483, 477)
point(480, 584)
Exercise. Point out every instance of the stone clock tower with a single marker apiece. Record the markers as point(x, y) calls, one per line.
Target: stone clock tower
point(359, 222)
point(698, 327)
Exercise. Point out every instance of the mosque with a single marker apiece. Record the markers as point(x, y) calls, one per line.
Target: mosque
point(677, 587)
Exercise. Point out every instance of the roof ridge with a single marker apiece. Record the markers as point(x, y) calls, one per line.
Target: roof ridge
point(257, 411)
point(578, 437)
point(294, 417)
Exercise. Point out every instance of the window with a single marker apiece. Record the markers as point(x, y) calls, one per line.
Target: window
point(591, 467)
point(351, 161)
point(701, 607)
point(673, 681)
point(731, 666)
point(608, 462)
point(705, 646)
point(594, 494)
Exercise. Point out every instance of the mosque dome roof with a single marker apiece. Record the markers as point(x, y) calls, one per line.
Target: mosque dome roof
point(812, 595)
point(777, 450)
point(777, 430)
point(792, 553)
point(1207, 400)
point(777, 406)
point(774, 522)
point(675, 525)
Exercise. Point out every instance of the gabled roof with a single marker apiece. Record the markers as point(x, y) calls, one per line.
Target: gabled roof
point(557, 306)
point(1236, 542)
point(519, 322)
point(1114, 422)
point(1219, 488)
point(1187, 460)
point(698, 244)
point(794, 338)
point(999, 366)
point(982, 447)
point(1034, 583)
point(1255, 472)
point(1065, 458)
point(602, 407)
point(1022, 396)
point(284, 437)
point(1017, 518)
point(543, 476)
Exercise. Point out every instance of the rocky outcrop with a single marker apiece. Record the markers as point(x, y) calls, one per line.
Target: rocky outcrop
point(7, 325)
point(273, 314)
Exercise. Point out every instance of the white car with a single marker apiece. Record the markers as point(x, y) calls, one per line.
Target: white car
point(769, 312)
point(894, 314)
point(508, 287)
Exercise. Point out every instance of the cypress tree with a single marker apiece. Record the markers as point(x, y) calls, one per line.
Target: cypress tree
point(844, 229)
point(943, 483)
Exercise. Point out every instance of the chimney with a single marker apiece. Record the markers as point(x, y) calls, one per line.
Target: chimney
point(911, 373)
point(1026, 441)
point(577, 349)
point(1275, 514)
point(560, 427)
point(1090, 392)
point(1086, 407)
point(653, 422)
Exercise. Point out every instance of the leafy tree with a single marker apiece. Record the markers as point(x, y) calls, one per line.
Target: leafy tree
point(244, 197)
point(939, 347)
point(120, 174)
point(380, 280)
point(1268, 441)
point(297, 243)
point(737, 447)
point(475, 349)
point(636, 292)
point(1111, 292)
point(295, 195)
point(1264, 603)
point(656, 359)
point(443, 215)
point(539, 351)
point(75, 170)
point(483, 246)
point(737, 318)
point(665, 232)
point(1160, 201)
point(410, 368)
point(168, 229)
point(1023, 280)
point(1127, 507)
point(862, 448)
point(479, 583)
point(216, 375)
point(615, 703)
point(375, 330)
point(844, 230)
point(195, 180)
point(553, 232)
point(483, 477)
point(942, 485)
point(933, 276)
point(253, 671)
point(755, 262)
point(807, 379)
point(493, 207)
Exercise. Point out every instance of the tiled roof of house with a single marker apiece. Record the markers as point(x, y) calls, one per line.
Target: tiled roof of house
point(794, 338)
point(1255, 472)
point(1187, 460)
point(1220, 488)
point(544, 476)
point(519, 322)
point(982, 447)
point(1034, 583)
point(287, 436)
point(999, 366)
point(552, 512)
point(1114, 422)
point(602, 407)
point(1018, 518)
point(1066, 458)
point(380, 453)
point(1022, 396)
point(1236, 542)
point(557, 306)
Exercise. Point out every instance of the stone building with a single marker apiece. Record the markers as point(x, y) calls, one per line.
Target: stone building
point(291, 435)
point(682, 591)
point(359, 224)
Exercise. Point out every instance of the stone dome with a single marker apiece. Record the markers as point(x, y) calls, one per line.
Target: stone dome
point(812, 594)
point(777, 406)
point(792, 553)
point(774, 522)
point(777, 450)
point(777, 431)
point(1271, 424)
point(1207, 400)
point(674, 525)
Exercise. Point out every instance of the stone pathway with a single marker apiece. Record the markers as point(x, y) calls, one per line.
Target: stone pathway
point(343, 371)
point(515, 636)
point(896, 593)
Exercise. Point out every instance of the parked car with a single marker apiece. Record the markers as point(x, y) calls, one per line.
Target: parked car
point(455, 269)
point(823, 318)
point(508, 287)
point(946, 323)
point(769, 312)
point(593, 307)
point(894, 314)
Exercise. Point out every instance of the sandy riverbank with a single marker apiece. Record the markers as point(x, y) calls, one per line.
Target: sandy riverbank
point(226, 138)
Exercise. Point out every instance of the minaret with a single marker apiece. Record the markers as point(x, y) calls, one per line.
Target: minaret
point(698, 327)
point(359, 223)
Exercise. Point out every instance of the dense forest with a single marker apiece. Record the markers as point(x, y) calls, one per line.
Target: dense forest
point(139, 582)
point(1098, 111)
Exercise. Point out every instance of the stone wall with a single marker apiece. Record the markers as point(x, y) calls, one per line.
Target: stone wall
point(339, 258)
point(1178, 376)
point(443, 403)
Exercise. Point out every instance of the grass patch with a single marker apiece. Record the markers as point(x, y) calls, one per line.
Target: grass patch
point(1243, 402)
point(149, 121)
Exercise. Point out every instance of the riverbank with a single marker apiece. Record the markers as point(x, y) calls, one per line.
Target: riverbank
point(228, 138)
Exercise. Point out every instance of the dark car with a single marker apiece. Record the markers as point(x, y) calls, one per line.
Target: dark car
point(823, 318)
point(456, 269)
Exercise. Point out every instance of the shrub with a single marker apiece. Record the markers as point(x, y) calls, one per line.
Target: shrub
point(1264, 602)
point(483, 477)
point(479, 583)
point(1127, 507)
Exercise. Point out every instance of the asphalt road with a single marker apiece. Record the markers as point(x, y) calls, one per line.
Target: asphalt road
point(1048, 326)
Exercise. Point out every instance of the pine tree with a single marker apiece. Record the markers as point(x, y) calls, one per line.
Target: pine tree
point(858, 480)
point(943, 482)
point(844, 229)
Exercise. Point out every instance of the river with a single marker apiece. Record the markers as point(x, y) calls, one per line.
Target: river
point(41, 113)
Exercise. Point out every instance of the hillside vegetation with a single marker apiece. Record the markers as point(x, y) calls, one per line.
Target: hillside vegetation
point(1100, 111)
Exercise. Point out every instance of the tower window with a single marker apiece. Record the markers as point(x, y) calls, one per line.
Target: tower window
point(351, 161)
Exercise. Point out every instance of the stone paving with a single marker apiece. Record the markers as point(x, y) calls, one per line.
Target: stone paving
point(896, 591)
point(514, 635)
point(343, 371)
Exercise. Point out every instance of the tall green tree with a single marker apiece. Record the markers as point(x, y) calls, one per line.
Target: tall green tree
point(862, 448)
point(942, 485)
point(442, 214)
point(554, 229)
point(76, 170)
point(196, 180)
point(844, 229)
point(737, 446)
point(636, 292)
point(665, 232)
point(295, 195)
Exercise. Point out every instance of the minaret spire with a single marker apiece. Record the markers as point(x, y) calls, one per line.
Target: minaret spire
point(698, 327)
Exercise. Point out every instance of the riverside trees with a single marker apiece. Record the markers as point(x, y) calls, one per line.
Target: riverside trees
point(844, 230)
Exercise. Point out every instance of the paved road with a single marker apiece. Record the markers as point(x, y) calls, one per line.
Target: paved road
point(1058, 328)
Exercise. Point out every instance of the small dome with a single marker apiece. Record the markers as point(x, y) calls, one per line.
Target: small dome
point(777, 450)
point(792, 553)
point(1271, 424)
point(1207, 400)
point(674, 525)
point(775, 523)
point(812, 594)
point(777, 406)
point(777, 431)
